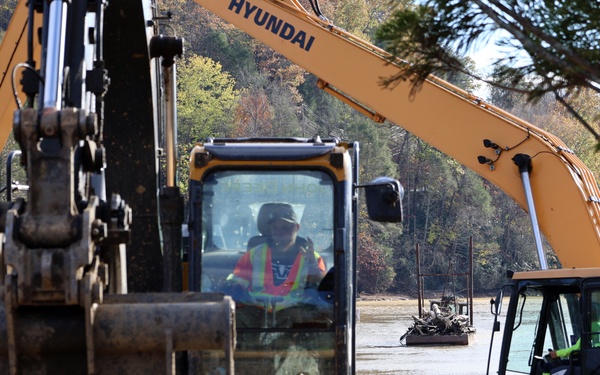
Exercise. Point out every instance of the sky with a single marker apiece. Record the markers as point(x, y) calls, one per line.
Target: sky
point(484, 57)
point(486, 54)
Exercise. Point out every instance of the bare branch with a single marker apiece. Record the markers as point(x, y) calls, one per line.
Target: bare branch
point(589, 69)
point(576, 114)
point(527, 43)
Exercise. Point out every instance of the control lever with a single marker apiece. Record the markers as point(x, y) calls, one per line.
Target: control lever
point(274, 301)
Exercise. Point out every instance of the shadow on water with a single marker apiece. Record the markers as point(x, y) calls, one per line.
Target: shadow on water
point(379, 350)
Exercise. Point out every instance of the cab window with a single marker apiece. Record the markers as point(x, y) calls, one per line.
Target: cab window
point(284, 304)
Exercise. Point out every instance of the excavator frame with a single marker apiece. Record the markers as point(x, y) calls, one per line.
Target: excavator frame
point(548, 180)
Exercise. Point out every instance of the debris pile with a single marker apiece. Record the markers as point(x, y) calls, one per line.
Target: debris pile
point(439, 321)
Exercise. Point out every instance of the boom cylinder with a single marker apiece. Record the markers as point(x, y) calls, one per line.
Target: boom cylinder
point(524, 163)
point(55, 55)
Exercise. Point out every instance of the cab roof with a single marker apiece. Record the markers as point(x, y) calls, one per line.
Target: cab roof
point(560, 273)
point(269, 148)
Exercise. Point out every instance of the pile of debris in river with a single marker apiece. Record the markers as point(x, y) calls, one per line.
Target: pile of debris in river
point(449, 320)
point(440, 325)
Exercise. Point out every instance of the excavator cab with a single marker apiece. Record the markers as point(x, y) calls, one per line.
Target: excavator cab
point(553, 310)
point(269, 336)
point(236, 187)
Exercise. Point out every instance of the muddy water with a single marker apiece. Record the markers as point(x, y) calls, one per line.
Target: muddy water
point(379, 350)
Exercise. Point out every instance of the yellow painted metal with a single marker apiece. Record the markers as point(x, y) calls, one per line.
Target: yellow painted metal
point(448, 118)
point(341, 174)
point(13, 51)
point(563, 273)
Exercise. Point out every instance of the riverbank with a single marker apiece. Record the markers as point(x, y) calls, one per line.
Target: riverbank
point(388, 297)
point(365, 297)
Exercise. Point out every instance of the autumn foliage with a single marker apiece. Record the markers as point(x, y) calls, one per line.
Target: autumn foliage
point(372, 268)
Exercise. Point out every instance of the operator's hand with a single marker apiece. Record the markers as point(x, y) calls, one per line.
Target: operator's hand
point(314, 271)
point(309, 253)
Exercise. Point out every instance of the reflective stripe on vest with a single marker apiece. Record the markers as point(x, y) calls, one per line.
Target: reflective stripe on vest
point(262, 278)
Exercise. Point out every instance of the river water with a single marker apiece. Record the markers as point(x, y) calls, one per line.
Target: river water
point(379, 350)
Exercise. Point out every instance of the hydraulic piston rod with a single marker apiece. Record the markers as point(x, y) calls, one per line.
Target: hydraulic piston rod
point(55, 55)
point(524, 163)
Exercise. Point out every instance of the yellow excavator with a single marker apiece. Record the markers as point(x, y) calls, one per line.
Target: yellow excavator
point(97, 129)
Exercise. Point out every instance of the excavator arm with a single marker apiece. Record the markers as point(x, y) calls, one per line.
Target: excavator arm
point(481, 136)
point(129, 126)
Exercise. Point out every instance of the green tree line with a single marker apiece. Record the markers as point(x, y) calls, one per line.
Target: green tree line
point(230, 85)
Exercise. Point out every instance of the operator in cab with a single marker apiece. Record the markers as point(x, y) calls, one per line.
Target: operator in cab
point(275, 274)
point(560, 360)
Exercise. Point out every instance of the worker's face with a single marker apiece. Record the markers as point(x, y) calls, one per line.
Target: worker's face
point(284, 233)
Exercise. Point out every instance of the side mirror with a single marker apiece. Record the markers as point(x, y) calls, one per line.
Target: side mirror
point(496, 304)
point(384, 199)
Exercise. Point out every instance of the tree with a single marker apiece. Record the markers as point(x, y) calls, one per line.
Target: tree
point(6, 10)
point(207, 99)
point(285, 111)
point(352, 16)
point(254, 114)
point(280, 71)
point(374, 271)
point(560, 39)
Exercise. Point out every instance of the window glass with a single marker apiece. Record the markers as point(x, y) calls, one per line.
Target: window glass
point(524, 334)
point(283, 294)
point(595, 318)
point(590, 358)
point(559, 332)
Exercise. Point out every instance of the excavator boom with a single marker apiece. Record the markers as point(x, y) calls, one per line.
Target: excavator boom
point(455, 122)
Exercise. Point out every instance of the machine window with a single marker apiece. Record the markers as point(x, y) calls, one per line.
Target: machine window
point(267, 242)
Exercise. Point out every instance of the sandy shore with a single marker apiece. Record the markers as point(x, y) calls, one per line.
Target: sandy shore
point(401, 300)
